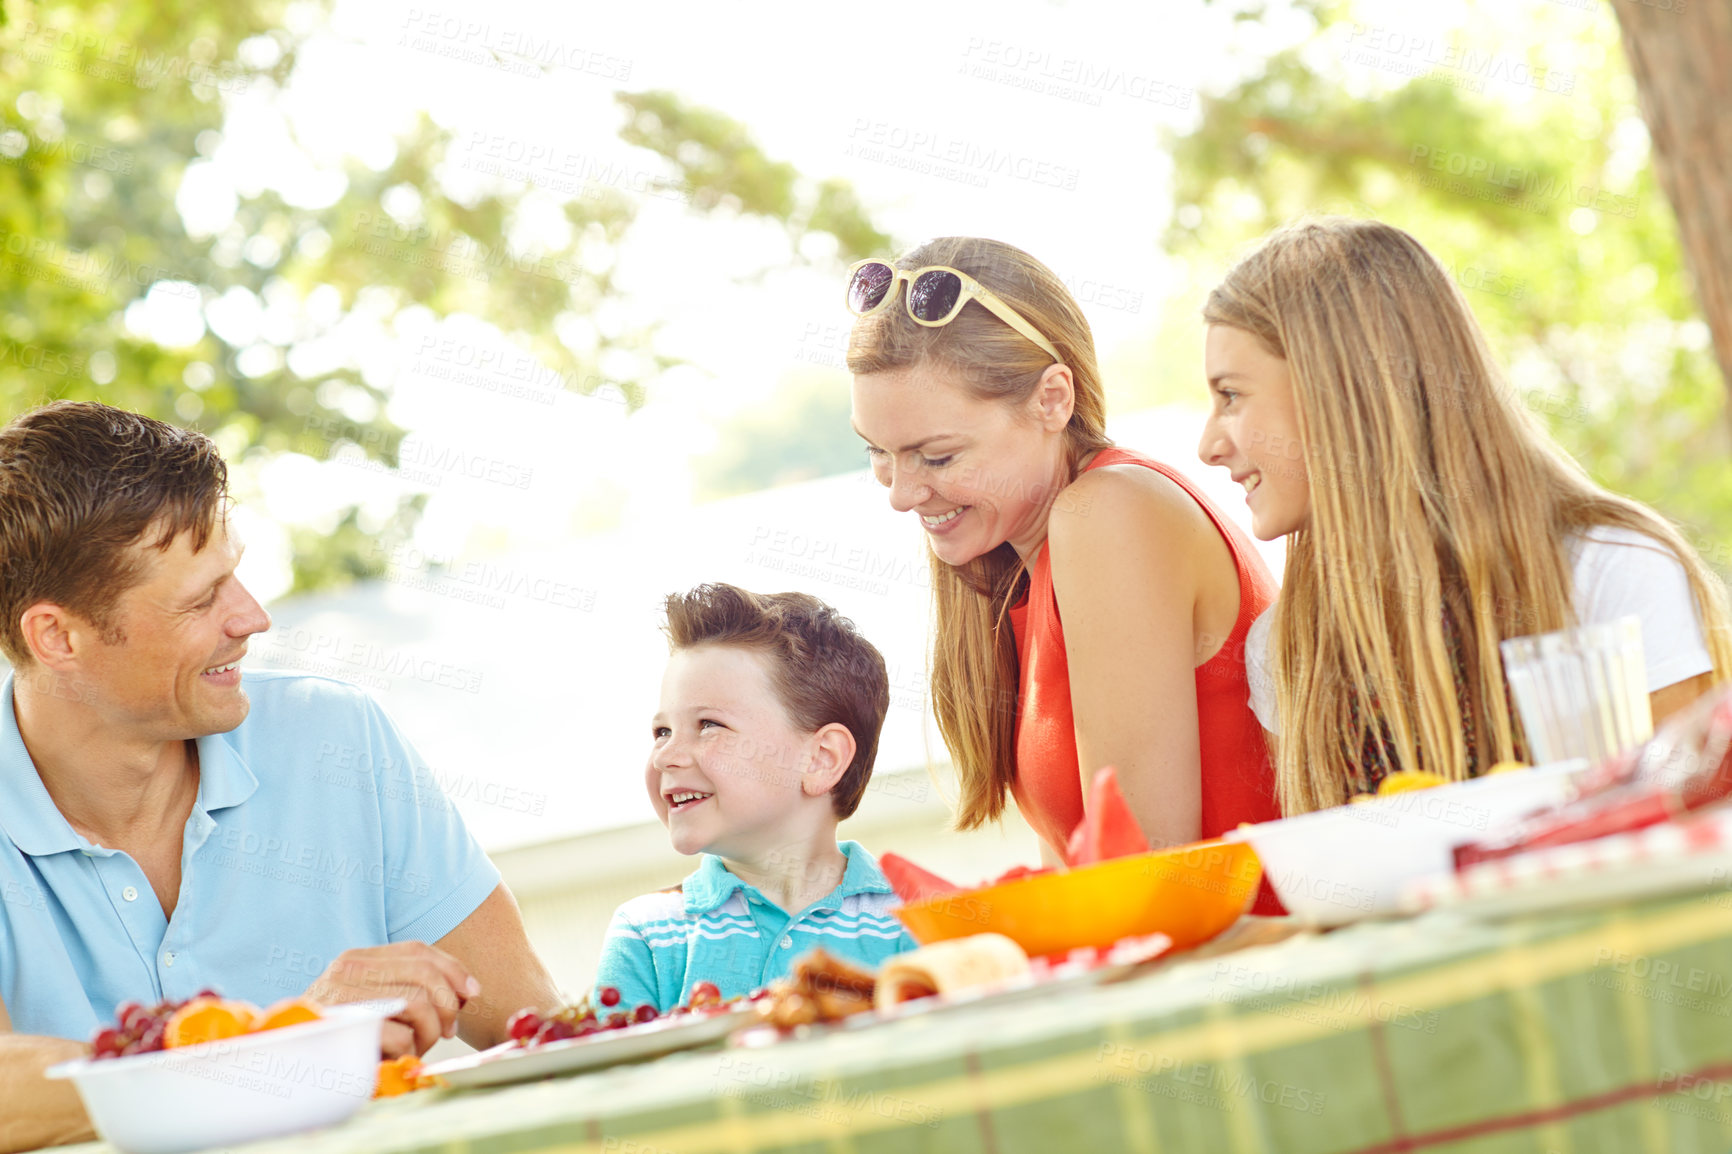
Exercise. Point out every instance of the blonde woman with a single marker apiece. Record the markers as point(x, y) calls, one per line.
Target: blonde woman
point(977, 393)
point(1428, 517)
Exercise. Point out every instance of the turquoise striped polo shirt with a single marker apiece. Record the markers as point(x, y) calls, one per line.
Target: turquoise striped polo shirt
point(715, 927)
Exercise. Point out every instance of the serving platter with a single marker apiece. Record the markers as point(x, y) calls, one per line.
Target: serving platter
point(509, 1062)
point(1674, 857)
point(1045, 977)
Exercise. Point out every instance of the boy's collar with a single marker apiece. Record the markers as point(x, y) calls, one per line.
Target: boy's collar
point(714, 883)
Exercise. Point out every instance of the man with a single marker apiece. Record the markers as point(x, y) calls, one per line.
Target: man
point(171, 825)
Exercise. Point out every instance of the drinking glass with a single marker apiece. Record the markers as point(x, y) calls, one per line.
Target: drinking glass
point(1581, 692)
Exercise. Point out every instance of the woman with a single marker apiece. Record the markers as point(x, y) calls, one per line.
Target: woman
point(1429, 518)
point(976, 391)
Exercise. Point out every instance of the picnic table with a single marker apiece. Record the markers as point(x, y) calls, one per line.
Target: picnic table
point(1599, 1030)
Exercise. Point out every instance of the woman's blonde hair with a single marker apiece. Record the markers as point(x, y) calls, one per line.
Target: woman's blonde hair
point(1440, 514)
point(974, 669)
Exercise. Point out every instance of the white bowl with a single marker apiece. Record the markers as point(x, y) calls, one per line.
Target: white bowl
point(1339, 865)
point(236, 1089)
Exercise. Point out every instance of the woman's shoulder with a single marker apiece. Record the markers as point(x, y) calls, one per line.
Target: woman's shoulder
point(1127, 487)
point(1607, 560)
point(1617, 572)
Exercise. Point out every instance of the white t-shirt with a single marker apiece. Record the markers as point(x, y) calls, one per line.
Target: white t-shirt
point(1616, 573)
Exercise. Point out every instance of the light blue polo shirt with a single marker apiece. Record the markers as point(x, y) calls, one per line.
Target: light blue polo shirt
point(316, 829)
point(717, 928)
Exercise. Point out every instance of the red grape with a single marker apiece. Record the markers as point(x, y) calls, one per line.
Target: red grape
point(609, 996)
point(129, 1016)
point(108, 1043)
point(646, 1013)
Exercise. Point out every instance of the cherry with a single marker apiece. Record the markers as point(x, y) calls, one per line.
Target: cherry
point(523, 1025)
point(609, 995)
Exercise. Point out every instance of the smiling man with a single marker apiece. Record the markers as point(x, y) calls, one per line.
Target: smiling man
point(172, 824)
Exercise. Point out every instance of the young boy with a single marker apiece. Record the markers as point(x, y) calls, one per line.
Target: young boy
point(771, 706)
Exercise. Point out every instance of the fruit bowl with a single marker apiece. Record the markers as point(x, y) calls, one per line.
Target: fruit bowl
point(1190, 894)
point(235, 1089)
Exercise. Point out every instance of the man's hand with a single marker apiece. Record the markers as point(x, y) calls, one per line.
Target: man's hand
point(433, 983)
point(490, 942)
point(38, 1112)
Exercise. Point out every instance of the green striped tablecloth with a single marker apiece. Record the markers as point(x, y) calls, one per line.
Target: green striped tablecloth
point(1604, 1031)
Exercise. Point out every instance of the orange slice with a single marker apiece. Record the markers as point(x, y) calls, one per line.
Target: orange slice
point(206, 1020)
point(290, 1012)
point(1407, 779)
point(402, 1076)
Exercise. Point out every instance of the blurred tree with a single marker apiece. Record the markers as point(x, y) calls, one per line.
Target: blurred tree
point(1545, 211)
point(249, 326)
point(720, 167)
point(1681, 55)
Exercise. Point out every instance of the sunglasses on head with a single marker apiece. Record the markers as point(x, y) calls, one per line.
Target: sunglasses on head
point(936, 294)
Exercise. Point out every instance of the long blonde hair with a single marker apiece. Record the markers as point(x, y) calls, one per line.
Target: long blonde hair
point(974, 669)
point(1433, 490)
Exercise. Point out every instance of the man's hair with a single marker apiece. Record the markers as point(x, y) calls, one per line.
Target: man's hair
point(823, 670)
point(80, 483)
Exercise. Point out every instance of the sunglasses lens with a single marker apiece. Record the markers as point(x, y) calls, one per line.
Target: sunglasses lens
point(933, 295)
point(871, 281)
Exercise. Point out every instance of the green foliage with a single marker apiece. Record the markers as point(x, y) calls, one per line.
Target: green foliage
point(111, 105)
point(1546, 212)
point(115, 103)
point(721, 167)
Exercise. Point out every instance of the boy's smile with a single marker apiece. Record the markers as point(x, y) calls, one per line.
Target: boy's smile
point(683, 799)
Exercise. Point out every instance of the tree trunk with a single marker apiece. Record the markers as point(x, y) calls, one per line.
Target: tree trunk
point(1681, 54)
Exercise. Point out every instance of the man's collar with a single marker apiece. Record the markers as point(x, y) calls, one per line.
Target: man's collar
point(713, 883)
point(35, 824)
point(29, 816)
point(223, 776)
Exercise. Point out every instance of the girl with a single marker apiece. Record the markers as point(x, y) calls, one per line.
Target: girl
point(1091, 605)
point(1429, 518)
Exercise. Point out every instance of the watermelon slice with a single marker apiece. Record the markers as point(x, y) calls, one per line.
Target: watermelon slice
point(1019, 871)
point(1107, 830)
point(911, 883)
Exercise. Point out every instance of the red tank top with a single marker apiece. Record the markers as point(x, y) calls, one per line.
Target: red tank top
point(1238, 776)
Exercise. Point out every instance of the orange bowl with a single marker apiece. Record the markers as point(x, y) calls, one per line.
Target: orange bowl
point(1190, 894)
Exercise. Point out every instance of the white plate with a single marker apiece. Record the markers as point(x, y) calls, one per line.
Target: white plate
point(509, 1062)
point(1061, 976)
